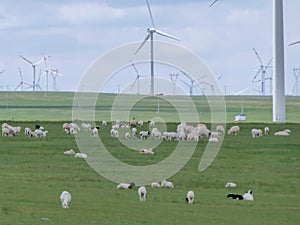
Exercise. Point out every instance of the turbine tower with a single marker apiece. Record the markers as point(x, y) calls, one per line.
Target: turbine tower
point(137, 79)
point(34, 68)
point(262, 70)
point(174, 78)
point(150, 35)
point(296, 85)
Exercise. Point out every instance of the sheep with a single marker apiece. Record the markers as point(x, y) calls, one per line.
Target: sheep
point(220, 129)
point(214, 139)
point(142, 192)
point(155, 185)
point(151, 123)
point(104, 123)
point(80, 155)
point(40, 133)
point(146, 151)
point(144, 134)
point(126, 185)
point(256, 133)
point(167, 184)
point(156, 133)
point(192, 136)
point(65, 199)
point(230, 185)
point(248, 196)
point(114, 133)
point(267, 130)
point(282, 133)
point(234, 130)
point(127, 135)
point(134, 131)
point(69, 152)
point(190, 197)
point(180, 135)
point(141, 123)
point(133, 122)
point(86, 126)
point(215, 134)
point(235, 196)
point(28, 132)
point(95, 131)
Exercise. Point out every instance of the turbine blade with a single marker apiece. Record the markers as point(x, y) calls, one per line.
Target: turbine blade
point(39, 62)
point(137, 73)
point(146, 39)
point(213, 3)
point(258, 72)
point(26, 59)
point(2, 71)
point(166, 35)
point(150, 13)
point(294, 43)
point(269, 62)
point(259, 59)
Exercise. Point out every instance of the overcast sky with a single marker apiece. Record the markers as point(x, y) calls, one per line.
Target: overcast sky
point(75, 33)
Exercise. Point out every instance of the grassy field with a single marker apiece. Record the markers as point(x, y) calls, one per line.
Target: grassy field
point(57, 106)
point(34, 171)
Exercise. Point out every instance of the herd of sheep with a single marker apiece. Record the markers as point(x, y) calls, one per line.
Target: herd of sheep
point(183, 132)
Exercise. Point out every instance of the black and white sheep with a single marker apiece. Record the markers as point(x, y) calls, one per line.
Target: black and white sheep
point(190, 197)
point(65, 199)
point(142, 192)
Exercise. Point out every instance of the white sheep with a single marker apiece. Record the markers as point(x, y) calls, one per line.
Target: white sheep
point(167, 184)
point(282, 133)
point(230, 185)
point(190, 197)
point(141, 123)
point(134, 131)
point(144, 134)
point(40, 133)
point(28, 132)
point(95, 131)
point(81, 155)
point(151, 124)
point(86, 126)
point(104, 123)
point(234, 130)
point(65, 199)
point(127, 135)
point(156, 133)
point(267, 130)
point(155, 185)
point(146, 151)
point(256, 133)
point(220, 129)
point(214, 139)
point(114, 133)
point(248, 196)
point(142, 192)
point(69, 152)
point(126, 185)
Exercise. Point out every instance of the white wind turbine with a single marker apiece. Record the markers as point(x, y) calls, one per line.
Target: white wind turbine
point(212, 86)
point(174, 78)
point(55, 74)
point(22, 83)
point(34, 85)
point(278, 62)
point(296, 85)
point(137, 79)
point(262, 70)
point(150, 34)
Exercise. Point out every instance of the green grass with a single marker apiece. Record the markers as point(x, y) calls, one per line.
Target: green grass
point(57, 106)
point(34, 171)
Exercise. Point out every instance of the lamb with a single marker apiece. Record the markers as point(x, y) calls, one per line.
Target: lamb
point(146, 151)
point(234, 130)
point(256, 133)
point(65, 199)
point(114, 133)
point(104, 123)
point(126, 185)
point(69, 152)
point(141, 123)
point(235, 196)
point(214, 139)
point(142, 192)
point(267, 130)
point(144, 134)
point(81, 155)
point(282, 133)
point(151, 123)
point(133, 122)
point(220, 129)
point(156, 133)
point(190, 197)
point(155, 185)
point(40, 133)
point(28, 132)
point(167, 184)
point(192, 136)
point(230, 185)
point(127, 135)
point(134, 131)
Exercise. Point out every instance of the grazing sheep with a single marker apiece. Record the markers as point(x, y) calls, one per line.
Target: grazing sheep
point(141, 123)
point(256, 133)
point(155, 185)
point(235, 196)
point(132, 122)
point(234, 130)
point(134, 131)
point(214, 139)
point(282, 133)
point(69, 152)
point(86, 126)
point(151, 124)
point(95, 131)
point(192, 136)
point(190, 197)
point(126, 185)
point(156, 133)
point(80, 155)
point(114, 133)
point(65, 199)
point(220, 129)
point(248, 196)
point(267, 130)
point(146, 151)
point(144, 134)
point(40, 133)
point(142, 192)
point(28, 132)
point(104, 123)
point(230, 185)
point(167, 184)
point(127, 135)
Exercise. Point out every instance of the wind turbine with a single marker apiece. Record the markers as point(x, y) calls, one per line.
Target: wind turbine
point(174, 78)
point(279, 111)
point(296, 85)
point(55, 74)
point(34, 68)
point(191, 86)
point(150, 35)
point(22, 83)
point(137, 79)
point(262, 70)
point(212, 86)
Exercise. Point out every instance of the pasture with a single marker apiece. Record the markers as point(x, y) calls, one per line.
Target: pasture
point(34, 172)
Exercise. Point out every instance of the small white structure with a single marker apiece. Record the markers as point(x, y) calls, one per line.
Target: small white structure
point(240, 117)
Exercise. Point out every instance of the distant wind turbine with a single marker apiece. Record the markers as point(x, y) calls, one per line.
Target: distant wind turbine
point(22, 83)
point(137, 79)
point(34, 85)
point(150, 34)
